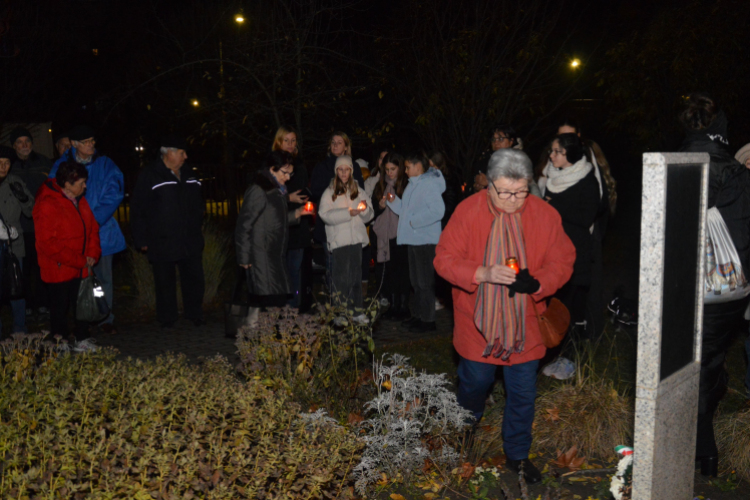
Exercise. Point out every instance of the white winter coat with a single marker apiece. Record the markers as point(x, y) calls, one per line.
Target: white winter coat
point(341, 228)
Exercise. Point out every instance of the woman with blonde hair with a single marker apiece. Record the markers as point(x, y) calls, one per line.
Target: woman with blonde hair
point(299, 235)
point(344, 208)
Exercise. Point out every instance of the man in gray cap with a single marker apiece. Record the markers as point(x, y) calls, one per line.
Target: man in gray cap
point(33, 169)
point(105, 190)
point(166, 215)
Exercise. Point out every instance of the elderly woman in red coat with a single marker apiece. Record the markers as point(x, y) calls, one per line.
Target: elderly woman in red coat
point(495, 323)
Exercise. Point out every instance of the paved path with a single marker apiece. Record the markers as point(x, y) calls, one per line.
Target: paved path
point(148, 340)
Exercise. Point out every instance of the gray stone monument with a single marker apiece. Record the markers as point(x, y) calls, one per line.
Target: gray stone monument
point(670, 317)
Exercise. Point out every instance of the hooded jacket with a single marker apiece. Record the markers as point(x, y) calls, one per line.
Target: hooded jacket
point(728, 182)
point(65, 234)
point(322, 176)
point(341, 228)
point(12, 210)
point(104, 193)
point(166, 214)
point(261, 236)
point(421, 209)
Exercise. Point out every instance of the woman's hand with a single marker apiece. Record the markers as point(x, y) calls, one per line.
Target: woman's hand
point(295, 197)
point(356, 211)
point(90, 261)
point(304, 210)
point(381, 203)
point(245, 266)
point(496, 274)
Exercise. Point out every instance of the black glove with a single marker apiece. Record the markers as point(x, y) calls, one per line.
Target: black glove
point(17, 190)
point(525, 283)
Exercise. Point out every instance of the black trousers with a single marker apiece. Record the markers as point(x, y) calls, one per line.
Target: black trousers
point(422, 276)
point(721, 324)
point(36, 290)
point(62, 297)
point(192, 284)
point(396, 279)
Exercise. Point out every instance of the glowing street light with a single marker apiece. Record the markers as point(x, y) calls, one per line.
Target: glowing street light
point(575, 63)
point(195, 103)
point(239, 19)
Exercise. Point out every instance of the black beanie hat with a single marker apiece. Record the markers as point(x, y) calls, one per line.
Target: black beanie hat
point(19, 132)
point(173, 141)
point(6, 152)
point(81, 133)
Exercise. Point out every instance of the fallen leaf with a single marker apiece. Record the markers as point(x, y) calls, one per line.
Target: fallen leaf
point(396, 496)
point(387, 384)
point(383, 479)
point(497, 461)
point(354, 418)
point(553, 414)
point(467, 470)
point(429, 496)
point(569, 459)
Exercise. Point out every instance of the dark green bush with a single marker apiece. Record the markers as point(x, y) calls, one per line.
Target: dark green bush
point(88, 426)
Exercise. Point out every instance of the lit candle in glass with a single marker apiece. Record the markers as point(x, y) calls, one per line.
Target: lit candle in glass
point(362, 205)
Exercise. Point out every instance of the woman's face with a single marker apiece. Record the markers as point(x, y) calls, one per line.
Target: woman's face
point(283, 174)
point(76, 189)
point(380, 160)
point(289, 143)
point(557, 156)
point(516, 192)
point(391, 170)
point(338, 146)
point(4, 167)
point(500, 140)
point(344, 172)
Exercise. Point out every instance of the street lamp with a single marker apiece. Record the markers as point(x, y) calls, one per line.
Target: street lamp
point(195, 103)
point(239, 19)
point(575, 63)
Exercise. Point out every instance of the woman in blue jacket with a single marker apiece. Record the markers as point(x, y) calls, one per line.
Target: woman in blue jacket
point(420, 212)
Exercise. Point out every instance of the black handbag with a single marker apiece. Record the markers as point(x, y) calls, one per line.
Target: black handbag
point(92, 305)
point(12, 274)
point(236, 310)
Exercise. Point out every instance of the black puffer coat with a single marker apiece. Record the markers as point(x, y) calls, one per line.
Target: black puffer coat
point(166, 213)
point(261, 236)
point(728, 182)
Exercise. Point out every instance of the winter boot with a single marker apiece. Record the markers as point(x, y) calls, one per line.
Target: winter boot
point(394, 308)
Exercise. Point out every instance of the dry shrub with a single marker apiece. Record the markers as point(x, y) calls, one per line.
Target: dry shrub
point(588, 413)
point(215, 256)
point(733, 437)
point(88, 426)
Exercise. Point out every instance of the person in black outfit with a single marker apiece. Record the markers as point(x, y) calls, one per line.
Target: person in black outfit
point(33, 169)
point(299, 253)
point(729, 191)
point(570, 186)
point(166, 215)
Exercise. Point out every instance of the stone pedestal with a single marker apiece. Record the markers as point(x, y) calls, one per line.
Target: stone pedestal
point(670, 314)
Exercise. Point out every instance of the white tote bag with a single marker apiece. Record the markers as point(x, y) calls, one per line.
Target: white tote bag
point(725, 279)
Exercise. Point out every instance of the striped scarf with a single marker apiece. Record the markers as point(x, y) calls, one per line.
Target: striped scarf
point(499, 317)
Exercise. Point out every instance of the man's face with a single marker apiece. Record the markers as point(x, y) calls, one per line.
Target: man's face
point(63, 144)
point(23, 147)
point(414, 169)
point(86, 147)
point(175, 158)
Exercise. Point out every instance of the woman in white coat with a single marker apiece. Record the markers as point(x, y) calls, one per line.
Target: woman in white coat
point(344, 208)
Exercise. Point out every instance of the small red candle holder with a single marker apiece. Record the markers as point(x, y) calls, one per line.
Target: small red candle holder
point(390, 196)
point(362, 205)
point(309, 206)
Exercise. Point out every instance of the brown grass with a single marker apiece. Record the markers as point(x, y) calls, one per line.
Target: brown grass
point(733, 438)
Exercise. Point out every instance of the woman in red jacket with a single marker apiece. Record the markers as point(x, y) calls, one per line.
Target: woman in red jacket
point(493, 307)
point(67, 242)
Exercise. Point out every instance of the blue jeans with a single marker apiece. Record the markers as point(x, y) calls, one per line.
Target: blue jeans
point(103, 271)
point(474, 382)
point(294, 268)
point(18, 307)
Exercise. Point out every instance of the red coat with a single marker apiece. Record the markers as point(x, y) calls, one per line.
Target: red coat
point(549, 254)
point(65, 235)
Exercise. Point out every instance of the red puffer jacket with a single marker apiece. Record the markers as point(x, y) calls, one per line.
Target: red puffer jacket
point(65, 234)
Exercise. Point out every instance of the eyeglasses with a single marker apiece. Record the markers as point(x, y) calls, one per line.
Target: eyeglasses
point(500, 139)
point(88, 142)
point(287, 173)
point(560, 152)
point(505, 195)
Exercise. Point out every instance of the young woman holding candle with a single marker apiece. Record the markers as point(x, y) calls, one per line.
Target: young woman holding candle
point(344, 209)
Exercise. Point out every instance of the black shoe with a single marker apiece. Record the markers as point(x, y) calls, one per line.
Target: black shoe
point(423, 326)
point(709, 465)
point(198, 321)
point(411, 321)
point(530, 473)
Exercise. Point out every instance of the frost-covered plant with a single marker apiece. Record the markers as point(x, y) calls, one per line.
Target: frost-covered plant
point(414, 419)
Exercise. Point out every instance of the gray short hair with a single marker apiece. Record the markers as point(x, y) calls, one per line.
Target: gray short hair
point(163, 151)
point(511, 164)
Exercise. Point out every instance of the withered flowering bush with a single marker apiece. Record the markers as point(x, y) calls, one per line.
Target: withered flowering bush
point(89, 426)
point(413, 420)
point(320, 359)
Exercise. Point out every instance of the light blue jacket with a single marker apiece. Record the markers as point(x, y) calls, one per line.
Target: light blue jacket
point(105, 190)
point(421, 209)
